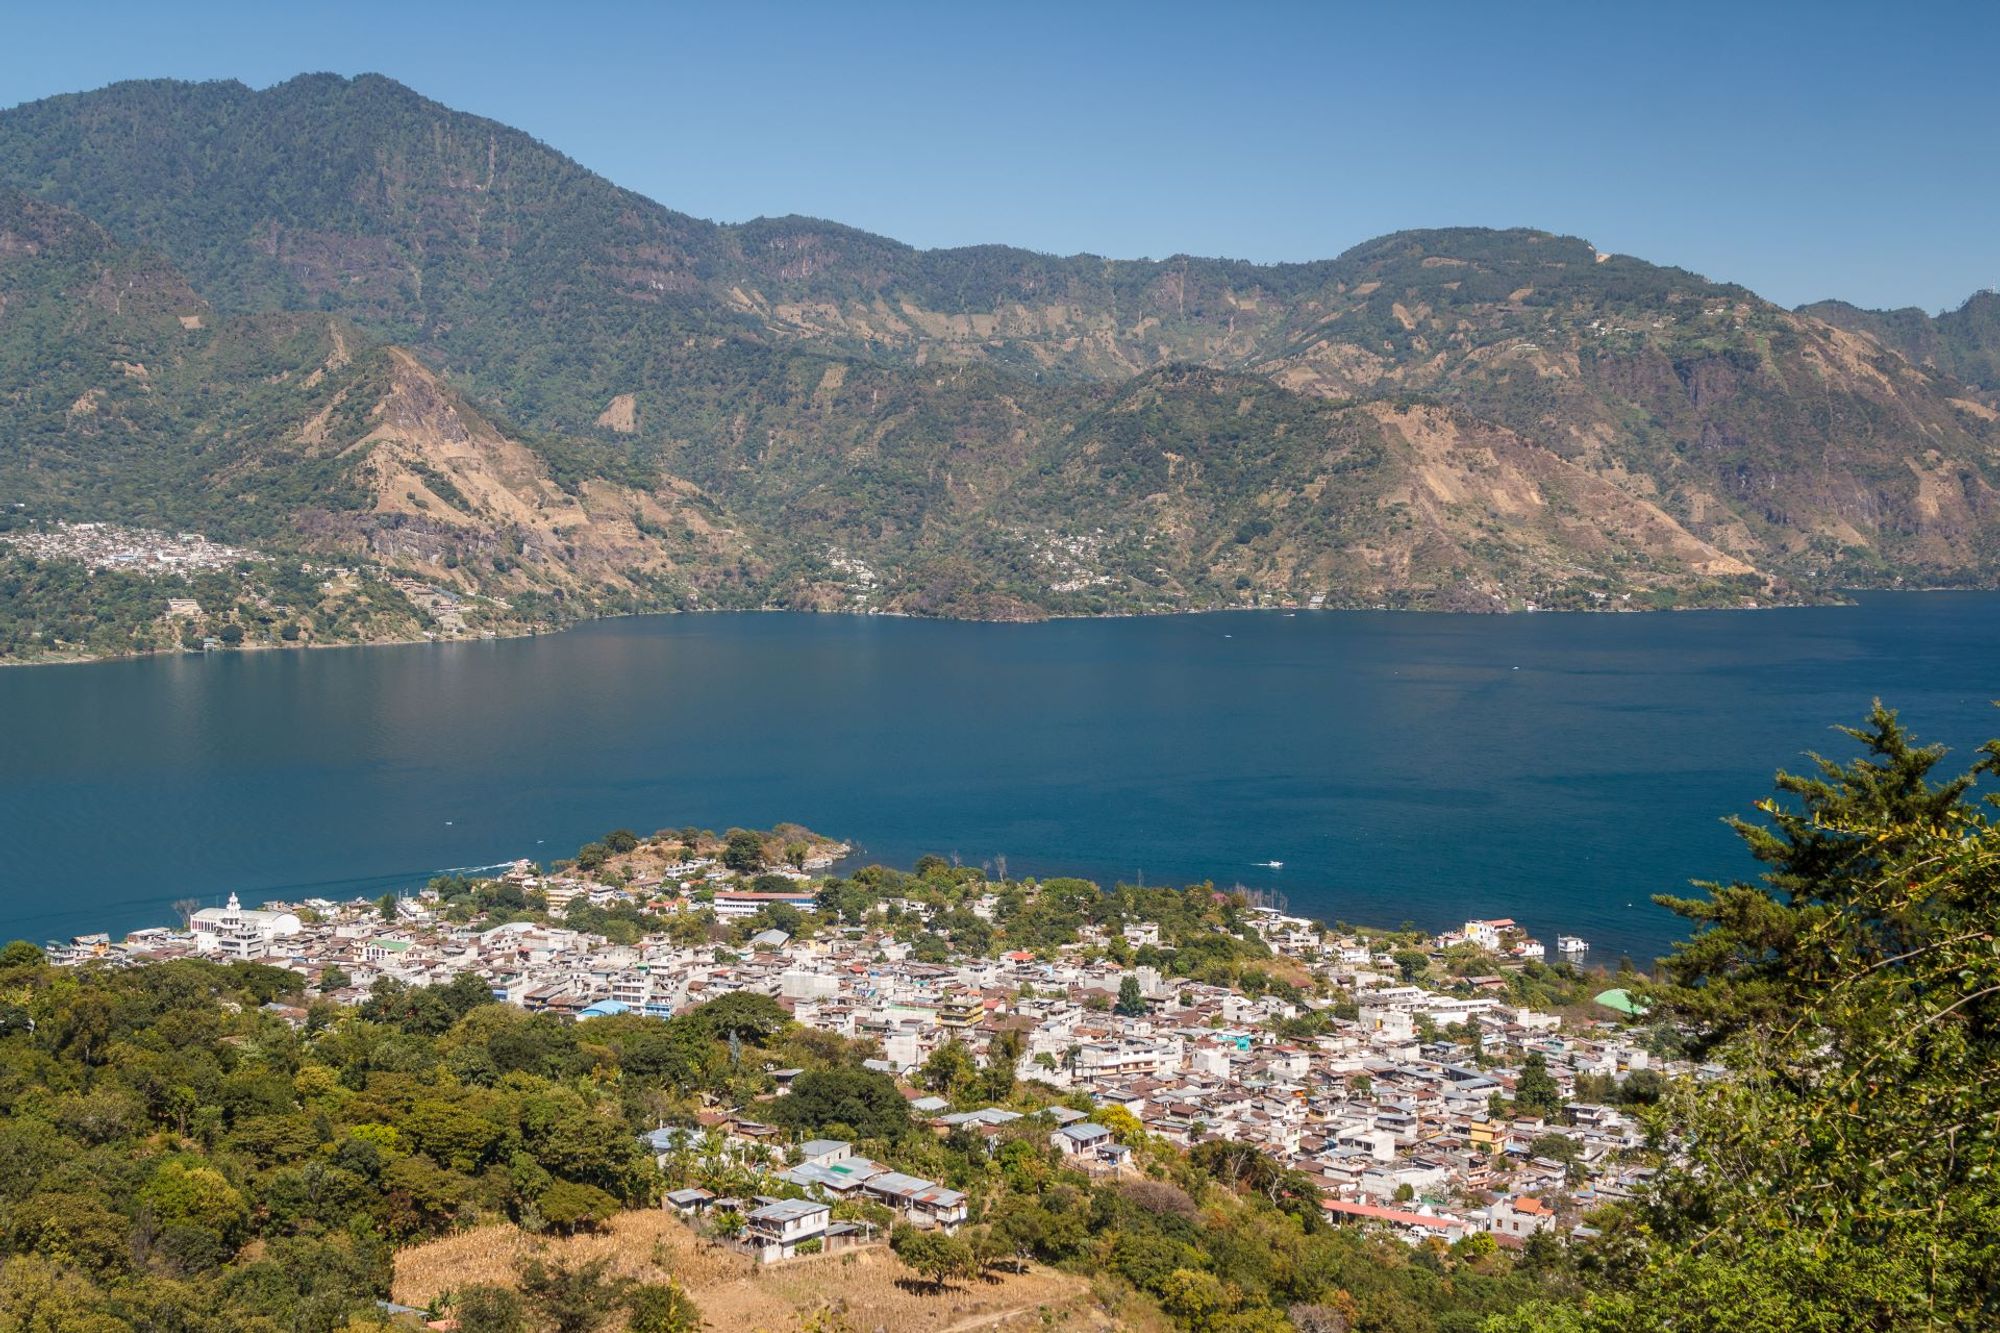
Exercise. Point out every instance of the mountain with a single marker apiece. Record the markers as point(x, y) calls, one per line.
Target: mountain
point(125, 395)
point(531, 384)
point(1963, 343)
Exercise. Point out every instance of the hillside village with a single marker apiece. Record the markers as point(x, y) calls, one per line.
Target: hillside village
point(111, 546)
point(1425, 1104)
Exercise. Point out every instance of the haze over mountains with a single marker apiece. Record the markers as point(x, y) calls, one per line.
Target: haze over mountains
point(335, 316)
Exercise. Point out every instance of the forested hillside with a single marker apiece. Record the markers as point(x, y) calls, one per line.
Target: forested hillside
point(220, 303)
point(1964, 343)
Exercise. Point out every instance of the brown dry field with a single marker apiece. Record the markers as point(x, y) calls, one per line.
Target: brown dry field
point(735, 1295)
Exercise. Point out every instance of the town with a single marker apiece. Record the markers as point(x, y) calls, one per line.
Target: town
point(109, 546)
point(1441, 1087)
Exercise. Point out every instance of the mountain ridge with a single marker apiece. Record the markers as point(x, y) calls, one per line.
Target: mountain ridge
point(1964, 342)
point(821, 417)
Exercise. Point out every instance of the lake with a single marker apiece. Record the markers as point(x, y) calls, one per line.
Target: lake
point(1426, 768)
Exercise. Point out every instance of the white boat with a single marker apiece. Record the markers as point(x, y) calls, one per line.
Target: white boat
point(1272, 865)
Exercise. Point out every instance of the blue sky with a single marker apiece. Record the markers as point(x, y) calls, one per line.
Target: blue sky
point(1806, 150)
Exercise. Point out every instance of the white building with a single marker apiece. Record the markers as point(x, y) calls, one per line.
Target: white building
point(235, 931)
point(729, 904)
point(777, 1230)
point(1519, 1218)
point(1080, 1140)
point(1131, 1057)
point(1486, 934)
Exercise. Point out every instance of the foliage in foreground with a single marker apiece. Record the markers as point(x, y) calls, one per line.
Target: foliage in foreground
point(176, 1156)
point(1844, 1177)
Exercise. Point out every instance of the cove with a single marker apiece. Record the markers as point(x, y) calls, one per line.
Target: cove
point(1558, 769)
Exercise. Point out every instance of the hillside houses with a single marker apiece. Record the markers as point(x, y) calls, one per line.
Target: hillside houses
point(1392, 1121)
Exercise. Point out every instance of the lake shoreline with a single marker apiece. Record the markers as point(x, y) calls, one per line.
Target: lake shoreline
point(1421, 765)
point(1842, 598)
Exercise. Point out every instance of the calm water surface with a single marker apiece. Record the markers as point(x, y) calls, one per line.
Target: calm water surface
point(1557, 769)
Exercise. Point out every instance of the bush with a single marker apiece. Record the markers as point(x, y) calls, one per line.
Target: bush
point(569, 1207)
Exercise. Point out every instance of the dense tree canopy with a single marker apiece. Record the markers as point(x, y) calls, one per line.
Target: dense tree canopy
point(1847, 1174)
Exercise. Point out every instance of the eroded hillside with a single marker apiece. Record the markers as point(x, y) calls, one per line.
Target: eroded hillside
point(337, 314)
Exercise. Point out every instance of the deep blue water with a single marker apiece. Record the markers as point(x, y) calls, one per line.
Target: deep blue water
point(1553, 768)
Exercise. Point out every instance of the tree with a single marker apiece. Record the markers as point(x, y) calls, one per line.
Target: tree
point(38, 1294)
point(1130, 1002)
point(777, 916)
point(1412, 963)
point(1124, 1126)
point(1560, 1148)
point(180, 1194)
point(20, 953)
point(1196, 1299)
point(420, 1196)
point(80, 1228)
point(1639, 1087)
point(932, 1255)
point(743, 851)
point(949, 1068)
point(661, 1307)
point(1019, 1228)
point(1846, 1175)
point(578, 1297)
point(385, 907)
point(569, 1207)
point(1338, 1315)
point(485, 1308)
point(1535, 1089)
point(859, 1100)
point(742, 1014)
point(1828, 858)
point(1003, 1053)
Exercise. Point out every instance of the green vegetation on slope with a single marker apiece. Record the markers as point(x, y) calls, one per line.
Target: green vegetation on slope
point(60, 609)
point(180, 1156)
point(1844, 1176)
point(1963, 343)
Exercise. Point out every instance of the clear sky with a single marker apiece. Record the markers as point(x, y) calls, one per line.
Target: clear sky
point(1806, 150)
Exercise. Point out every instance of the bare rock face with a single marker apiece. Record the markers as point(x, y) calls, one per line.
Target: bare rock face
point(620, 414)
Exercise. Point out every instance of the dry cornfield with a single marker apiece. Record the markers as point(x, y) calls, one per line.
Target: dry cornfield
point(867, 1286)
